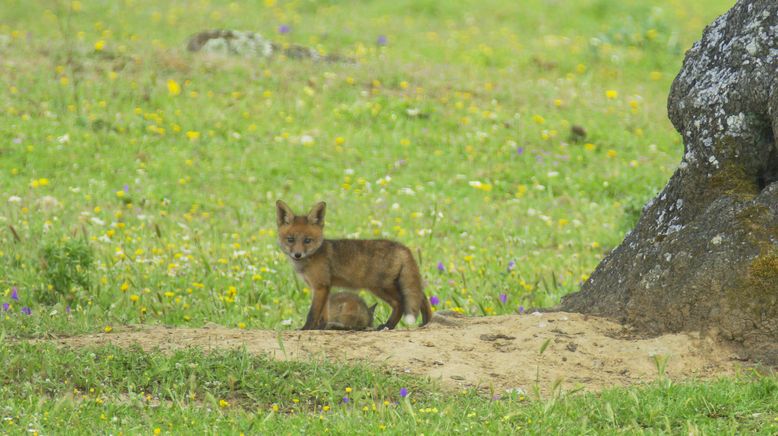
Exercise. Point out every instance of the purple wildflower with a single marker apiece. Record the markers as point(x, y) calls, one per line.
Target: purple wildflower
point(284, 28)
point(521, 309)
point(67, 309)
point(382, 40)
point(519, 150)
point(126, 188)
point(403, 392)
point(434, 300)
point(346, 400)
point(6, 306)
point(511, 265)
point(26, 310)
point(503, 298)
point(441, 267)
point(14, 294)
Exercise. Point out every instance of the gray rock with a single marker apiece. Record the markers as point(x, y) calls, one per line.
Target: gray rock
point(252, 45)
point(232, 42)
point(704, 253)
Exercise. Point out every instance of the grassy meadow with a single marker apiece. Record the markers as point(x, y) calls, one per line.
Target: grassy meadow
point(509, 144)
point(140, 180)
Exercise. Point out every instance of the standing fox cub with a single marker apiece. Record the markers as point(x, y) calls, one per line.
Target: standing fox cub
point(385, 268)
point(346, 311)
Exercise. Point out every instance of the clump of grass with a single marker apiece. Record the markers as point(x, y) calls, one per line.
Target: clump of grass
point(67, 268)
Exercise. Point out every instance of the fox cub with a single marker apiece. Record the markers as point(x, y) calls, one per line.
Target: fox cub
point(385, 268)
point(347, 311)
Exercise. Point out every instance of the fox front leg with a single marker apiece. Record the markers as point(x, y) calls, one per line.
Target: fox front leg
point(317, 316)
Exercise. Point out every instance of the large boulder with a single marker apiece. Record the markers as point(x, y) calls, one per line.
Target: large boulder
point(704, 253)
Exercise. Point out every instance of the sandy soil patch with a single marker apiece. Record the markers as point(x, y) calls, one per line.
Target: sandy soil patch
point(500, 352)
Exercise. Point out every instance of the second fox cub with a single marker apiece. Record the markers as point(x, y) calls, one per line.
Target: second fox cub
point(347, 311)
point(385, 268)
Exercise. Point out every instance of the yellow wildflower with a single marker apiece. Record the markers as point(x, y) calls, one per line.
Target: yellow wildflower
point(173, 88)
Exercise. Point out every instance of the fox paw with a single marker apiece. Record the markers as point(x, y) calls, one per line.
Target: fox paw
point(383, 327)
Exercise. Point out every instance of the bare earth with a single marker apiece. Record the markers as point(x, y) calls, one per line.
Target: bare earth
point(502, 352)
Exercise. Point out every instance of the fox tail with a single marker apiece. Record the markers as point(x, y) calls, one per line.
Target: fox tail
point(413, 294)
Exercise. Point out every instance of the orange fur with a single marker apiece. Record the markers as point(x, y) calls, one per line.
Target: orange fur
point(385, 268)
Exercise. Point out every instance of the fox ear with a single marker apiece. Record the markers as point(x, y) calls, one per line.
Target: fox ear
point(284, 214)
point(316, 215)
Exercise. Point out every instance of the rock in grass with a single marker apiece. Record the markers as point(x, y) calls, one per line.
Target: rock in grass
point(231, 42)
point(252, 44)
point(704, 253)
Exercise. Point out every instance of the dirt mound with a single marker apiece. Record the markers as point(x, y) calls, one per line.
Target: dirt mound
point(501, 351)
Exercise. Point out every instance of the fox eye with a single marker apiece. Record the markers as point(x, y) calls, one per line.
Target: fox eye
point(307, 240)
point(290, 240)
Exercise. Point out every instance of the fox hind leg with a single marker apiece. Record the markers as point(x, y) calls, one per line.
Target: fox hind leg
point(395, 300)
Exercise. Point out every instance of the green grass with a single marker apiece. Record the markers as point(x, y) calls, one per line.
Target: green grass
point(137, 184)
point(487, 176)
point(112, 389)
